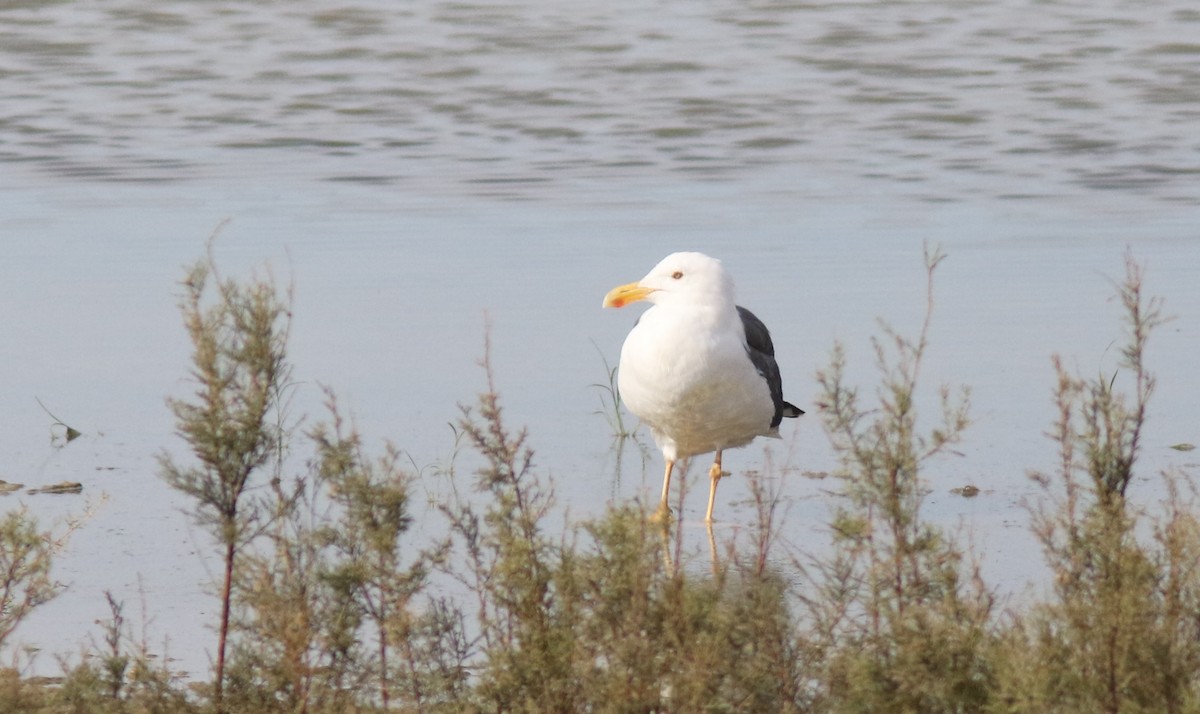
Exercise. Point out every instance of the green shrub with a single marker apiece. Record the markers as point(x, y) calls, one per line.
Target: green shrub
point(1122, 631)
point(903, 623)
point(329, 604)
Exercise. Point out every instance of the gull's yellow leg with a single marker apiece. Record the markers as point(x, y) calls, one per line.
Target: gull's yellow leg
point(663, 514)
point(715, 473)
point(712, 551)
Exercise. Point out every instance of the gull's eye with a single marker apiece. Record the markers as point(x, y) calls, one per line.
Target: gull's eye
point(677, 274)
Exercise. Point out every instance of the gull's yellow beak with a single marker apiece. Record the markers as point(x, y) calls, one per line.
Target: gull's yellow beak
point(622, 295)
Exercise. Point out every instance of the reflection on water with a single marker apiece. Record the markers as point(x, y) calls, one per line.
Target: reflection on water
point(953, 98)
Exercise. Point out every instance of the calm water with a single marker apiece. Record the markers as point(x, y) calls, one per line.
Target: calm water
point(411, 170)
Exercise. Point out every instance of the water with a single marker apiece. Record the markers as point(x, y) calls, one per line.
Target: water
point(419, 172)
point(954, 99)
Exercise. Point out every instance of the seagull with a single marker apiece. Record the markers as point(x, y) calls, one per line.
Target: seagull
point(697, 368)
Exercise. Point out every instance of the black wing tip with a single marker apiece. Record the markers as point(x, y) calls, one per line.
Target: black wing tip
point(791, 411)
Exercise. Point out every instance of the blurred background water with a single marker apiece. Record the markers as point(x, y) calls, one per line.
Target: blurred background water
point(411, 168)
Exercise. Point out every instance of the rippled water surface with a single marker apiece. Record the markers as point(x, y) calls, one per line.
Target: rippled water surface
point(411, 169)
point(954, 99)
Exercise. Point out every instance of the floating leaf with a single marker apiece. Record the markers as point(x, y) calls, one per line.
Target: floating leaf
point(1183, 447)
point(967, 491)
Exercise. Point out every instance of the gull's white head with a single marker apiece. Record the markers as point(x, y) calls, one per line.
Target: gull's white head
point(679, 278)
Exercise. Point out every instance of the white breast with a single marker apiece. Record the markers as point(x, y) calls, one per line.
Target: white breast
point(686, 374)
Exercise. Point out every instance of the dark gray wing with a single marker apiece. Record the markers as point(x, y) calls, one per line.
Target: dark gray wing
point(762, 353)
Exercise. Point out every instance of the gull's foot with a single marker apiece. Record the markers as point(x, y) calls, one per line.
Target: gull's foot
point(661, 516)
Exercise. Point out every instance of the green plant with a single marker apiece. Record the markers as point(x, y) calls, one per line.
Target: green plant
point(610, 399)
point(903, 621)
point(1122, 632)
point(290, 648)
point(117, 678)
point(26, 554)
point(334, 604)
point(510, 566)
point(231, 422)
point(372, 504)
point(601, 618)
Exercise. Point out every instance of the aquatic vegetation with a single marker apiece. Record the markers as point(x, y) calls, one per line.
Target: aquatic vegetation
point(1122, 631)
point(232, 423)
point(900, 613)
point(331, 602)
point(610, 400)
point(26, 554)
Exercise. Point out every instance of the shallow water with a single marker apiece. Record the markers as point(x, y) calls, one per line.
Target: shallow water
point(418, 173)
